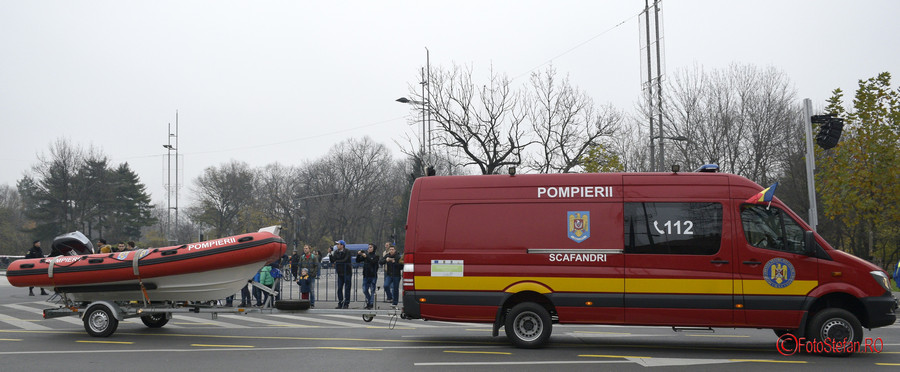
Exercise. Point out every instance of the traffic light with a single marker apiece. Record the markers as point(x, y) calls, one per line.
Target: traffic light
point(830, 128)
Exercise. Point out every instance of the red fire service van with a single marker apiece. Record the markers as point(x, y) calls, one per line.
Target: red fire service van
point(648, 249)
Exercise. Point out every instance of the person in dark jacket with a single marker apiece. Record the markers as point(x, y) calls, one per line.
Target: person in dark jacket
point(35, 252)
point(303, 282)
point(309, 260)
point(369, 261)
point(295, 263)
point(393, 271)
point(340, 258)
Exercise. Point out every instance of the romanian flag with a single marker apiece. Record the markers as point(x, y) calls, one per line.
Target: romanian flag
point(764, 196)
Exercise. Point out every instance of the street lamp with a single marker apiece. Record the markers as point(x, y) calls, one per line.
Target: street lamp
point(170, 147)
point(662, 159)
point(426, 107)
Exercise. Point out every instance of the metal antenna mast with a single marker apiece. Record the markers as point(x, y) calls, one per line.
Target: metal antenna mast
point(652, 57)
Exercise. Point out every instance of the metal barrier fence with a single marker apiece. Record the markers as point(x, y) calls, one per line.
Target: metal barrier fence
point(326, 286)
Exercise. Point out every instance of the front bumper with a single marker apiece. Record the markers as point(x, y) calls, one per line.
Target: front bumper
point(881, 310)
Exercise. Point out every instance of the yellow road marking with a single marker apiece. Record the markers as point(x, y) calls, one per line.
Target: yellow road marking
point(717, 336)
point(614, 356)
point(887, 364)
point(768, 361)
point(106, 342)
point(205, 345)
point(10, 339)
point(349, 348)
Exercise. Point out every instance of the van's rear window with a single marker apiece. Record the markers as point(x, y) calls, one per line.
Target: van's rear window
point(673, 228)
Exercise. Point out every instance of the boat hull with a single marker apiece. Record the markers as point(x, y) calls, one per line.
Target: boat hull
point(202, 271)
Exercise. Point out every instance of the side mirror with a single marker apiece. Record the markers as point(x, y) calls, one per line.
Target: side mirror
point(809, 243)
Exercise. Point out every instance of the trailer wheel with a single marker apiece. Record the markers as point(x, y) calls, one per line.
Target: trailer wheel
point(100, 322)
point(838, 330)
point(368, 317)
point(528, 325)
point(292, 304)
point(156, 320)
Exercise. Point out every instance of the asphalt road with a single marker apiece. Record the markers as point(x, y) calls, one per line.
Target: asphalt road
point(344, 342)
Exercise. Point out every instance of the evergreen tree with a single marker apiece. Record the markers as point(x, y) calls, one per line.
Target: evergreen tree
point(130, 205)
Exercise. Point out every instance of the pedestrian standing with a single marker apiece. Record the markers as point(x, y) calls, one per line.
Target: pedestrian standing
point(104, 248)
point(309, 260)
point(393, 270)
point(303, 282)
point(340, 258)
point(295, 263)
point(266, 279)
point(369, 260)
point(35, 252)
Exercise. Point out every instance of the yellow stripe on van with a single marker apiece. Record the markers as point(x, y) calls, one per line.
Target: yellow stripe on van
point(501, 283)
point(760, 287)
point(674, 285)
point(514, 284)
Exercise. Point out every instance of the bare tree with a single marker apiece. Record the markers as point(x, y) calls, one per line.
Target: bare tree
point(347, 194)
point(739, 118)
point(483, 123)
point(222, 195)
point(566, 123)
point(277, 195)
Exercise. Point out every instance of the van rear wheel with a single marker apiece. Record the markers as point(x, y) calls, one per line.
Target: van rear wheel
point(528, 325)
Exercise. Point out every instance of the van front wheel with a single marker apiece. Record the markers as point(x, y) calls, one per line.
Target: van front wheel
point(528, 325)
point(837, 330)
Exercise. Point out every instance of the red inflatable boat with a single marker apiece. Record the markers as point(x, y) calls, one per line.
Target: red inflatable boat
point(201, 271)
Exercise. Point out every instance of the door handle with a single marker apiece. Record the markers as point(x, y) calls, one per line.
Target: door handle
point(752, 263)
point(718, 262)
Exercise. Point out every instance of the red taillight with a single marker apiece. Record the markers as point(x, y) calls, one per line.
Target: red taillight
point(409, 272)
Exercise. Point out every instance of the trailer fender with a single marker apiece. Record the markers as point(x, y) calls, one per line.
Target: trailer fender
point(113, 309)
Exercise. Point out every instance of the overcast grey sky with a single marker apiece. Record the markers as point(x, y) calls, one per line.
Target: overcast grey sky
point(283, 81)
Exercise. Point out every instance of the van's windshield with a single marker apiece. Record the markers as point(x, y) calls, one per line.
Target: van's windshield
point(771, 228)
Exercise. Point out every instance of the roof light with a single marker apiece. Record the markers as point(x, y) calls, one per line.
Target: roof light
point(708, 168)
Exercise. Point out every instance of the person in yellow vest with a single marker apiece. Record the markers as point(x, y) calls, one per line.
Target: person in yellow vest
point(104, 248)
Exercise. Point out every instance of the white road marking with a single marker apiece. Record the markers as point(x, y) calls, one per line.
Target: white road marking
point(261, 320)
point(384, 320)
point(323, 321)
point(24, 324)
point(206, 321)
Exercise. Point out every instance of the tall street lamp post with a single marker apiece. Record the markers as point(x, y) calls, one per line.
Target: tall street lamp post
point(662, 159)
point(426, 142)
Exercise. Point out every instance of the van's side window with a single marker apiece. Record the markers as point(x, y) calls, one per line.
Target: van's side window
point(673, 228)
point(771, 228)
